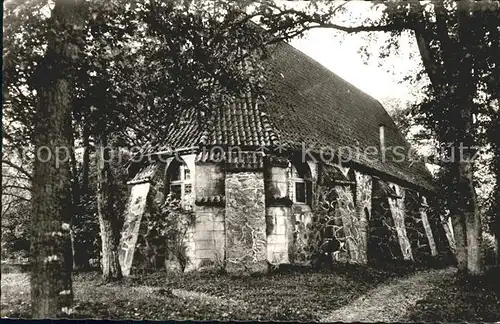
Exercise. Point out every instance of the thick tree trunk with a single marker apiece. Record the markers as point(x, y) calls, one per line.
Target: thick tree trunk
point(473, 223)
point(51, 256)
point(466, 91)
point(108, 218)
point(458, 221)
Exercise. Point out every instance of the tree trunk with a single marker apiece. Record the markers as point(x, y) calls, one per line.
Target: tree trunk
point(86, 159)
point(494, 136)
point(51, 257)
point(465, 95)
point(473, 223)
point(108, 218)
point(458, 221)
point(75, 194)
point(82, 250)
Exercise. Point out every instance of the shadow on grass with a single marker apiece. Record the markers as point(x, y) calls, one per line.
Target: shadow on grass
point(459, 299)
point(287, 293)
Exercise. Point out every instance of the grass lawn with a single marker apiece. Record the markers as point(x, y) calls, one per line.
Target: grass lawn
point(298, 295)
point(295, 295)
point(457, 301)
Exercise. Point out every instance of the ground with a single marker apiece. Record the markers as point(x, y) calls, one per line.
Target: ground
point(342, 294)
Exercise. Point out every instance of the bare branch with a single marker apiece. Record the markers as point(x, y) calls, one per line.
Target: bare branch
point(16, 196)
point(6, 186)
point(18, 168)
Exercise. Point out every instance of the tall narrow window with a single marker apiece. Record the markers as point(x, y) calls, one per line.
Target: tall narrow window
point(179, 179)
point(300, 191)
point(300, 177)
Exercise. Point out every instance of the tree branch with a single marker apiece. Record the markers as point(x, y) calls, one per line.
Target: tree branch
point(16, 196)
point(5, 186)
point(18, 168)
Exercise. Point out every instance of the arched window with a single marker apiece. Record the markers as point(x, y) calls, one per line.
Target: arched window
point(179, 181)
point(302, 186)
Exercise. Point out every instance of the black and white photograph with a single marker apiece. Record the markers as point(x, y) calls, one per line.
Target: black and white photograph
point(251, 160)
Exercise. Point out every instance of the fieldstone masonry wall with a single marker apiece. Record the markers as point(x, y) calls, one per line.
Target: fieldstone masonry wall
point(414, 226)
point(299, 250)
point(353, 234)
point(383, 243)
point(245, 220)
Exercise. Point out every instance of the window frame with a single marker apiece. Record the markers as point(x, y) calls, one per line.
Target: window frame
point(182, 181)
point(296, 182)
point(295, 178)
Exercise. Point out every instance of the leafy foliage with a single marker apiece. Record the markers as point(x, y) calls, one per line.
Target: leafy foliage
point(165, 236)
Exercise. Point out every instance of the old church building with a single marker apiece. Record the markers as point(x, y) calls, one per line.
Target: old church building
point(263, 186)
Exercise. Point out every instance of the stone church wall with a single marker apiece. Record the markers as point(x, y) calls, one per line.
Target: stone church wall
point(245, 220)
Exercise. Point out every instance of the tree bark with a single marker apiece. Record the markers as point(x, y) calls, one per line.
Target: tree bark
point(495, 214)
point(458, 221)
point(108, 218)
point(75, 194)
point(51, 256)
point(86, 158)
point(466, 92)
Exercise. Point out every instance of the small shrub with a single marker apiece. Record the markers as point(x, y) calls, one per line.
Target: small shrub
point(164, 235)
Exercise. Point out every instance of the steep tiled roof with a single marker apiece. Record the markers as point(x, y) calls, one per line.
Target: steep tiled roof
point(242, 123)
point(312, 105)
point(307, 105)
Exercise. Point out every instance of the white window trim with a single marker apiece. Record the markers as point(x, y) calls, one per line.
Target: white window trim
point(182, 181)
point(295, 180)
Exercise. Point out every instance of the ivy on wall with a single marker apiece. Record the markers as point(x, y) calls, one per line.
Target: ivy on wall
point(163, 236)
